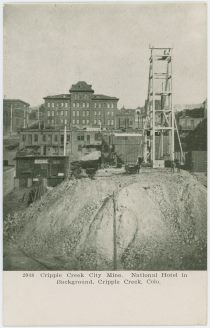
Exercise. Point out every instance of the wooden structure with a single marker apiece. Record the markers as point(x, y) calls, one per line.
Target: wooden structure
point(159, 108)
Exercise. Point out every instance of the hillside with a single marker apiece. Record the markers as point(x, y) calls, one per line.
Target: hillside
point(160, 224)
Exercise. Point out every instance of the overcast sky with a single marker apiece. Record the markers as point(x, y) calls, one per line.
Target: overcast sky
point(49, 47)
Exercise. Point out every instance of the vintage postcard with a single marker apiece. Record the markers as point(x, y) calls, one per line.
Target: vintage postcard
point(105, 164)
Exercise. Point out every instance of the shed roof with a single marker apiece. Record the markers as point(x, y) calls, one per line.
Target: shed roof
point(16, 100)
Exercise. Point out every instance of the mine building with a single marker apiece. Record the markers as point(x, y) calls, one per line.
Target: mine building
point(44, 142)
point(189, 119)
point(51, 142)
point(125, 119)
point(30, 169)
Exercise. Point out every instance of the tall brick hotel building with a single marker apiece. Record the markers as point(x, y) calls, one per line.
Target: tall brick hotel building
point(80, 108)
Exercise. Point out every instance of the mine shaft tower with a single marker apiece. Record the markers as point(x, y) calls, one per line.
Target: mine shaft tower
point(159, 123)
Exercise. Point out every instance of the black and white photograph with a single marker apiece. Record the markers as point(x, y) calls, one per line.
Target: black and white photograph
point(105, 137)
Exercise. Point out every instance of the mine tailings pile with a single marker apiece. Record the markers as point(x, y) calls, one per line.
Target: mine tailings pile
point(159, 224)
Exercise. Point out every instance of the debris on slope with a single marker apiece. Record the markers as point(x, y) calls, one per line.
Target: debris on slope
point(160, 223)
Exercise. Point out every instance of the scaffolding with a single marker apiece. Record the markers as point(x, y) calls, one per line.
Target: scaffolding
point(159, 123)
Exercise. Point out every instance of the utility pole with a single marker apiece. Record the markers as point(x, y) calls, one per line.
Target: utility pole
point(64, 146)
point(24, 119)
point(38, 118)
point(114, 234)
point(11, 119)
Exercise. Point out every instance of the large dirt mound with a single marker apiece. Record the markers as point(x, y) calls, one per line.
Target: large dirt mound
point(160, 224)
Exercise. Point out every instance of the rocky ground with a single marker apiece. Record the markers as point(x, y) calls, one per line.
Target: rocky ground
point(161, 220)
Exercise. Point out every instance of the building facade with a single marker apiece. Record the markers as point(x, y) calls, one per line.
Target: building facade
point(50, 142)
point(15, 115)
point(130, 119)
point(125, 119)
point(189, 119)
point(30, 169)
point(80, 108)
point(57, 111)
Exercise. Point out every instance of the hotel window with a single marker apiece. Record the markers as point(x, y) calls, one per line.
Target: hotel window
point(88, 113)
point(68, 137)
point(112, 122)
point(95, 121)
point(99, 105)
point(77, 104)
point(52, 113)
point(95, 105)
point(48, 113)
point(48, 121)
point(95, 113)
point(53, 121)
point(61, 104)
point(30, 139)
point(49, 137)
point(83, 121)
point(83, 113)
point(74, 105)
point(83, 105)
point(61, 121)
point(73, 112)
point(73, 121)
point(108, 106)
point(107, 113)
point(62, 112)
point(97, 137)
point(56, 138)
point(77, 121)
point(77, 113)
point(53, 105)
point(66, 112)
point(105, 105)
point(44, 138)
point(66, 104)
point(65, 121)
point(48, 104)
point(99, 121)
point(88, 121)
point(35, 137)
point(108, 122)
point(112, 113)
point(112, 105)
point(88, 105)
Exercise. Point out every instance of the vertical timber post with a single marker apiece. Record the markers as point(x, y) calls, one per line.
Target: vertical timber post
point(153, 111)
point(172, 116)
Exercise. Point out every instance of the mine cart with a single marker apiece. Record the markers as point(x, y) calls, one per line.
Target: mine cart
point(132, 168)
point(89, 163)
